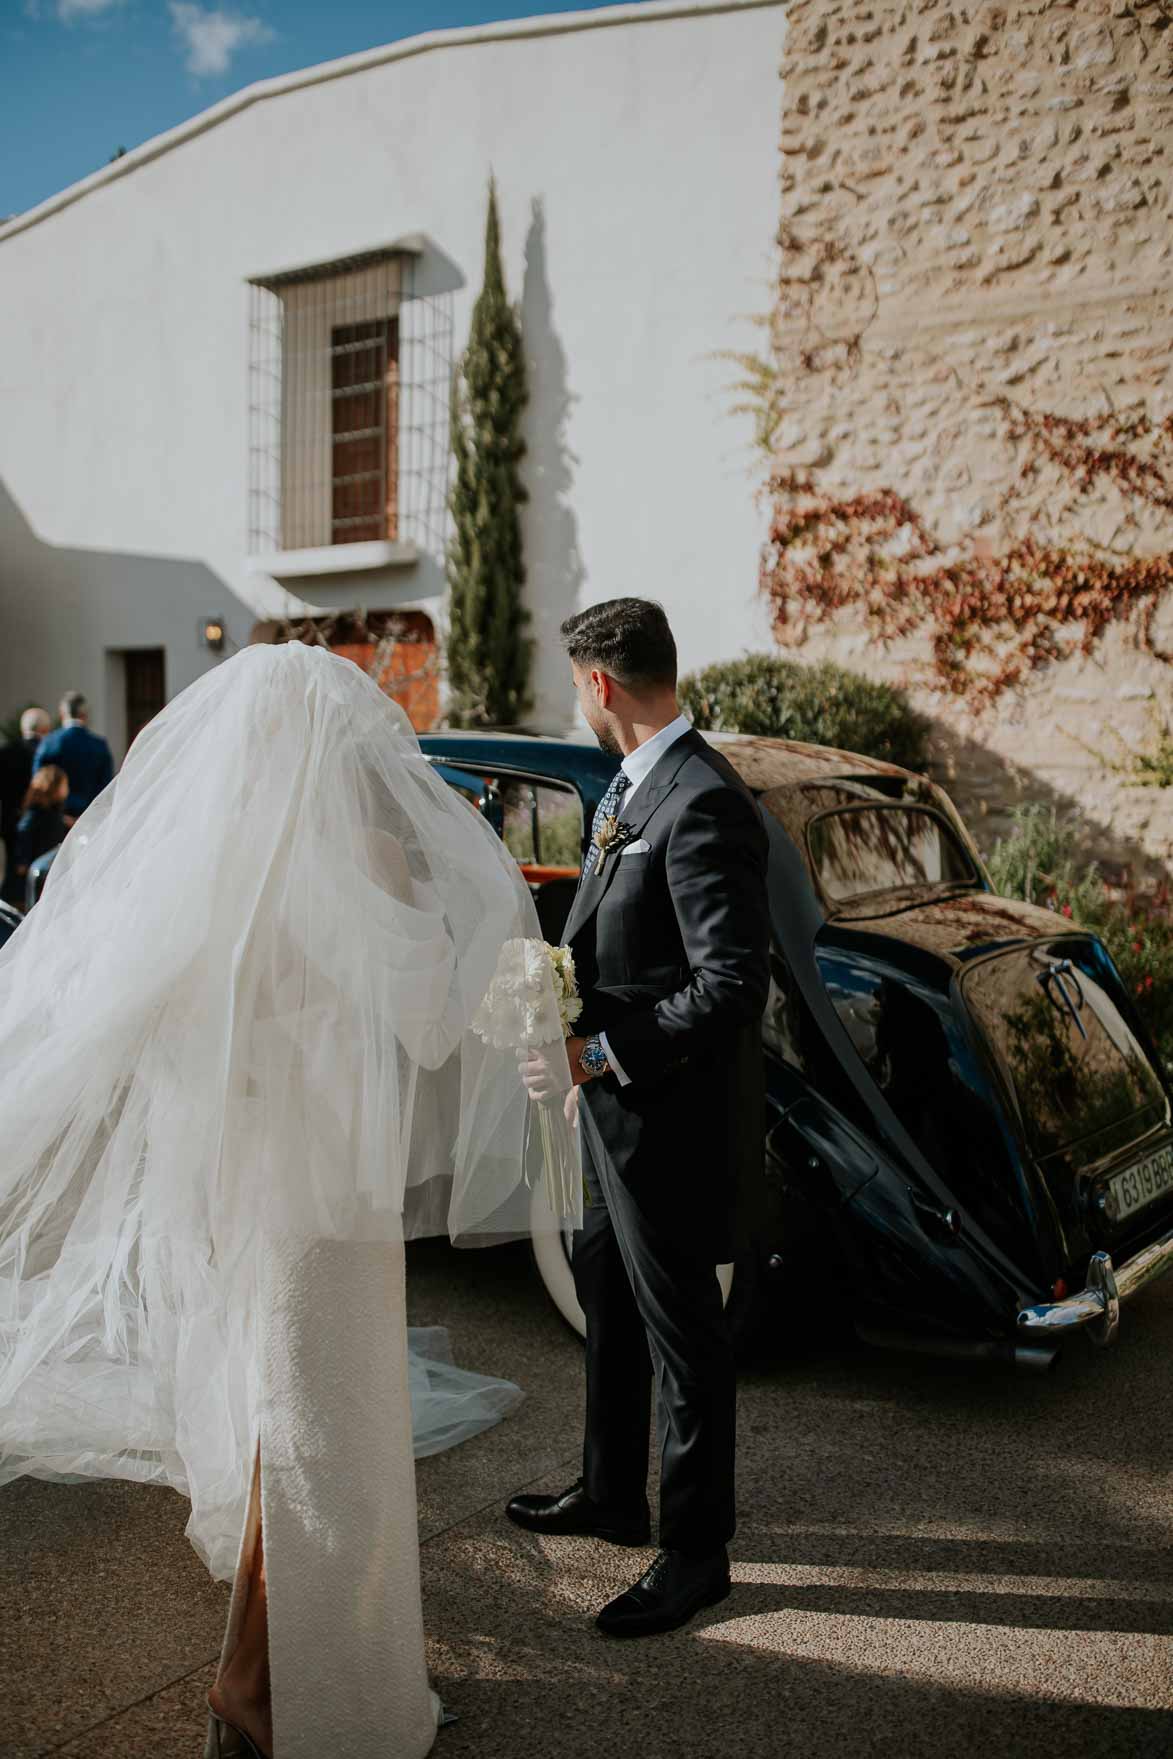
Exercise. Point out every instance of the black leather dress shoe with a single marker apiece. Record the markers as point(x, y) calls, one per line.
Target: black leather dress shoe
point(574, 1512)
point(667, 1595)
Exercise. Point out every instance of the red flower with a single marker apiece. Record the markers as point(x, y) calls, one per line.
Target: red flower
point(1066, 910)
point(1136, 947)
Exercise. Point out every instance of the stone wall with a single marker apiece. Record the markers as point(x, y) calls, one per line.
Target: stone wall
point(994, 179)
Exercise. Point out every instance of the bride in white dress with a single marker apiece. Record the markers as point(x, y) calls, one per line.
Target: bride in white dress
point(237, 1071)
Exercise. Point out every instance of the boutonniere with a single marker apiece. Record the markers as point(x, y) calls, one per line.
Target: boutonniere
point(610, 837)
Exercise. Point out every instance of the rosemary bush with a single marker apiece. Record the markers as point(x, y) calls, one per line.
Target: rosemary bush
point(1039, 862)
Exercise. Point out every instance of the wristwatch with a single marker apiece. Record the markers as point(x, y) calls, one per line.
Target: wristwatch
point(593, 1058)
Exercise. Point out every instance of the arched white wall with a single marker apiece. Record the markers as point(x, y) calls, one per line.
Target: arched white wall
point(636, 160)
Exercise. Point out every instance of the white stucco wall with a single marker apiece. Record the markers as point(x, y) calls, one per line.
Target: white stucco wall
point(636, 160)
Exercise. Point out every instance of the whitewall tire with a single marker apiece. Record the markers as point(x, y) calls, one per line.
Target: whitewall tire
point(552, 1255)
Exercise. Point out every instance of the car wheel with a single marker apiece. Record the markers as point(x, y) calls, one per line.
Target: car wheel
point(552, 1256)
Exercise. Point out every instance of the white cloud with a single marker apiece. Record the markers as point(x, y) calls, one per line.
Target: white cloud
point(210, 38)
point(68, 10)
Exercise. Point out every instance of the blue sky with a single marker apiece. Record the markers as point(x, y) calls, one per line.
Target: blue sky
point(80, 78)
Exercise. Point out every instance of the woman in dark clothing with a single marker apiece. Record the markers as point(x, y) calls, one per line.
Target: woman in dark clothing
point(41, 825)
point(16, 768)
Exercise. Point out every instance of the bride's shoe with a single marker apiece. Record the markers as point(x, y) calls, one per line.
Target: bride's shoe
point(226, 1742)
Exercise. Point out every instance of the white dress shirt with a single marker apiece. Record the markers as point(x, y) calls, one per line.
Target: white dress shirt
point(637, 766)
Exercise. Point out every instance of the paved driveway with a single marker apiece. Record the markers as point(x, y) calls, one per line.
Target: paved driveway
point(932, 1558)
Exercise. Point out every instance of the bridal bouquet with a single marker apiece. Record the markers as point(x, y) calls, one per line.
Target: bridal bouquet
point(533, 1000)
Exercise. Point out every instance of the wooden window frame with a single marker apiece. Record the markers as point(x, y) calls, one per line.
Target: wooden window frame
point(364, 452)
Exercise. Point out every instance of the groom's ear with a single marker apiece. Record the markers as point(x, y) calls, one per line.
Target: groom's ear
point(603, 686)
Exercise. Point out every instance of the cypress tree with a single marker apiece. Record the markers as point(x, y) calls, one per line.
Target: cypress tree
point(489, 652)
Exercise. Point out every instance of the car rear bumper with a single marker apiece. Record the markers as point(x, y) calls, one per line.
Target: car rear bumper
point(1096, 1308)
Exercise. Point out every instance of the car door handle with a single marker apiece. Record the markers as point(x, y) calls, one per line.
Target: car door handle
point(946, 1223)
point(774, 1140)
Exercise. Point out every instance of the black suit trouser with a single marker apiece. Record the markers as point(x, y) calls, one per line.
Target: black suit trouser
point(653, 1311)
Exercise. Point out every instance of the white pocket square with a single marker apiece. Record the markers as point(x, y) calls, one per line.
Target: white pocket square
point(639, 847)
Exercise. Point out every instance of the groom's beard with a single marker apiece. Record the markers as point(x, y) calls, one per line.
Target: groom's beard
point(607, 741)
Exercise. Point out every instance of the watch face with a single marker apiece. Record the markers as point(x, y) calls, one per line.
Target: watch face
point(594, 1057)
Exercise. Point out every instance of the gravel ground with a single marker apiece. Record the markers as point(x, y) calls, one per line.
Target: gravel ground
point(931, 1558)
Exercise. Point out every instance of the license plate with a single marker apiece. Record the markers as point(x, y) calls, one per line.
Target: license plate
point(1142, 1184)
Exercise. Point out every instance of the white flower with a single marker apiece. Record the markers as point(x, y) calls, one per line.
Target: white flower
point(533, 998)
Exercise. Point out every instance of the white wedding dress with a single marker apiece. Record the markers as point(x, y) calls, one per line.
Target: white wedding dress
point(237, 1071)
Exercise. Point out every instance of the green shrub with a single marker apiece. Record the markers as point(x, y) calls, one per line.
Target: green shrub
point(1151, 766)
point(562, 837)
point(820, 705)
point(1038, 862)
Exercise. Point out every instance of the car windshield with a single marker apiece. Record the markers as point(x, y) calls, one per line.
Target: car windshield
point(857, 851)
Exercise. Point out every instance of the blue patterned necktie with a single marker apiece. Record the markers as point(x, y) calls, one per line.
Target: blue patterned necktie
point(608, 807)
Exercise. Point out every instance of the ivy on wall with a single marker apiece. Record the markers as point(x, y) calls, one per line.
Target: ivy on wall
point(991, 619)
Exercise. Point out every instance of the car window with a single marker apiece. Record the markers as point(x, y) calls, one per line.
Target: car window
point(791, 1032)
point(858, 851)
point(462, 781)
point(1048, 1014)
point(784, 1019)
point(543, 824)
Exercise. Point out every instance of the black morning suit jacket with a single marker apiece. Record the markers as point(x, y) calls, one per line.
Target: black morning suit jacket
point(671, 948)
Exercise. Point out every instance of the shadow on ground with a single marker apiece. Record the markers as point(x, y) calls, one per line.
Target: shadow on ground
point(932, 1558)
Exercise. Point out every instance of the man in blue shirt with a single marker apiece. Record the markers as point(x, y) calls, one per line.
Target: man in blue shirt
point(84, 756)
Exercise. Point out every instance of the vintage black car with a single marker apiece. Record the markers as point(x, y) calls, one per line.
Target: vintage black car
point(969, 1139)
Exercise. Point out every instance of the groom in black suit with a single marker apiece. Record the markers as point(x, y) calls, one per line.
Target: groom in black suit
point(670, 935)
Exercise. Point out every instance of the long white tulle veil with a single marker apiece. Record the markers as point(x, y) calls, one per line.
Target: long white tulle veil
point(241, 1009)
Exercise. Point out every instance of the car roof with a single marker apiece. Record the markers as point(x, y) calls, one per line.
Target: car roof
point(794, 781)
point(762, 763)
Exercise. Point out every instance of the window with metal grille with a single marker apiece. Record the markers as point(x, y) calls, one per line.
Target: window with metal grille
point(349, 375)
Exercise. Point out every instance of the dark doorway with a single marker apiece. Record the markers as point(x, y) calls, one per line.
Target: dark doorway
point(146, 690)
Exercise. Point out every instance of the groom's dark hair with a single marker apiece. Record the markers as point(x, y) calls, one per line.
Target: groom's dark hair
point(629, 638)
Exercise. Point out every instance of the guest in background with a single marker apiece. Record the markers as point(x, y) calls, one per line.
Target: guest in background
point(34, 724)
point(16, 770)
point(84, 756)
point(42, 824)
